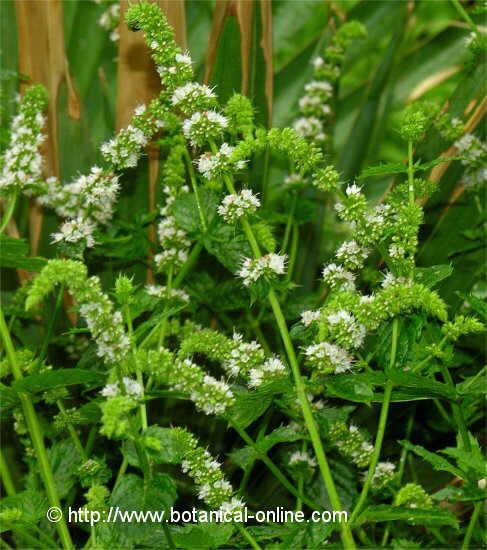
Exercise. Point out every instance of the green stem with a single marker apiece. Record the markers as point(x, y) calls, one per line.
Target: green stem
point(473, 520)
point(400, 473)
point(192, 177)
point(36, 436)
point(456, 409)
point(9, 211)
point(140, 380)
point(72, 431)
point(463, 13)
point(273, 468)
point(255, 325)
point(381, 428)
point(346, 533)
point(289, 222)
point(6, 477)
point(293, 252)
point(248, 536)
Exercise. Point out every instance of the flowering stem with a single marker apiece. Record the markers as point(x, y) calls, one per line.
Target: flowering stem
point(36, 435)
point(293, 252)
point(289, 222)
point(140, 380)
point(192, 177)
point(473, 520)
point(381, 429)
point(9, 211)
point(346, 533)
point(410, 172)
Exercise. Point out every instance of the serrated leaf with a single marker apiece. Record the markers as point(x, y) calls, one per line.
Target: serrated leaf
point(229, 246)
point(248, 407)
point(131, 494)
point(32, 503)
point(64, 459)
point(170, 451)
point(203, 535)
point(57, 379)
point(415, 516)
point(427, 386)
point(438, 462)
point(14, 254)
point(431, 276)
point(246, 456)
point(383, 169)
point(185, 209)
point(355, 388)
point(264, 236)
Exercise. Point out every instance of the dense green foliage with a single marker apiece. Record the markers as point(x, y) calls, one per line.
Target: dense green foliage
point(298, 323)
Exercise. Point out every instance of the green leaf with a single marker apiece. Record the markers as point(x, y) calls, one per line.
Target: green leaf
point(14, 254)
point(203, 535)
point(425, 385)
point(383, 169)
point(64, 459)
point(229, 246)
point(264, 236)
point(438, 462)
point(248, 407)
point(57, 379)
point(170, 451)
point(372, 112)
point(468, 460)
point(32, 503)
point(246, 456)
point(185, 209)
point(473, 385)
point(431, 516)
point(479, 306)
point(431, 276)
point(8, 398)
point(356, 388)
point(130, 494)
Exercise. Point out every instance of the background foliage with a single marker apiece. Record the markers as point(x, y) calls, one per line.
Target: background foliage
point(413, 50)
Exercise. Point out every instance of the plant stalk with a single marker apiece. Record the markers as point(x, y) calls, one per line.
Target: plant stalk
point(36, 436)
point(346, 533)
point(381, 428)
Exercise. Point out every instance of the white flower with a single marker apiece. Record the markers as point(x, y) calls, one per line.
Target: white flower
point(302, 457)
point(325, 357)
point(345, 329)
point(191, 94)
point(353, 190)
point(132, 388)
point(270, 370)
point(308, 317)
point(309, 127)
point(183, 58)
point(352, 254)
point(338, 277)
point(162, 292)
point(237, 205)
point(253, 269)
point(204, 125)
point(74, 231)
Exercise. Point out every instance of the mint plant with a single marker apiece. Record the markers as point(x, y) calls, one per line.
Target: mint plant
point(222, 381)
